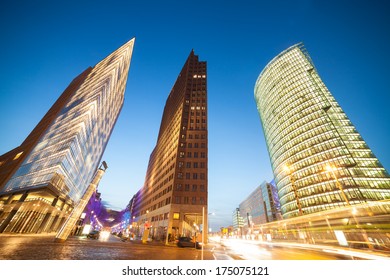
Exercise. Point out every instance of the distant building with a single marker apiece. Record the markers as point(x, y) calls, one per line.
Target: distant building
point(238, 221)
point(227, 231)
point(43, 178)
point(252, 209)
point(171, 201)
point(319, 159)
point(271, 201)
point(260, 207)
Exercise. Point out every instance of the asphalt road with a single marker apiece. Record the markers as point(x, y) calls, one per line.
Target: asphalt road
point(19, 247)
point(43, 247)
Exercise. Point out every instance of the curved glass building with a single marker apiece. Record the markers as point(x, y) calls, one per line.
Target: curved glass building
point(319, 159)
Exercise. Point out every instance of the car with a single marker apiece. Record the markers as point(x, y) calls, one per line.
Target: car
point(94, 234)
point(188, 242)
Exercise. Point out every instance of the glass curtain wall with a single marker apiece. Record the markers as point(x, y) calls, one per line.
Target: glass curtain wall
point(319, 159)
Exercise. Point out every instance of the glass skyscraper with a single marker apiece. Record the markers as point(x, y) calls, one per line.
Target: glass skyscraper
point(319, 159)
point(45, 177)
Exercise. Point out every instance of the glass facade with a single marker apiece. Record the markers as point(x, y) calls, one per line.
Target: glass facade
point(71, 149)
point(319, 159)
point(70, 143)
point(260, 207)
point(253, 209)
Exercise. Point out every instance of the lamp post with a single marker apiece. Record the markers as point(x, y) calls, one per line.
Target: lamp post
point(332, 170)
point(288, 169)
point(203, 230)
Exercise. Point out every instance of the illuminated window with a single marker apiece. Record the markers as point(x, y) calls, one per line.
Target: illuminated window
point(176, 216)
point(18, 155)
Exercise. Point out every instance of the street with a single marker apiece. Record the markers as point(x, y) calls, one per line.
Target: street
point(19, 247)
point(43, 247)
point(113, 258)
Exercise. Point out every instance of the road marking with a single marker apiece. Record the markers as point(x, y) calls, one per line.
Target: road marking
point(218, 256)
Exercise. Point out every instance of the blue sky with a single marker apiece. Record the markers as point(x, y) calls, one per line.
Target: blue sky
point(46, 44)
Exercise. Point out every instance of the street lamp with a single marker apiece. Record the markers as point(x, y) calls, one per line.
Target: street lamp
point(103, 166)
point(332, 170)
point(289, 171)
